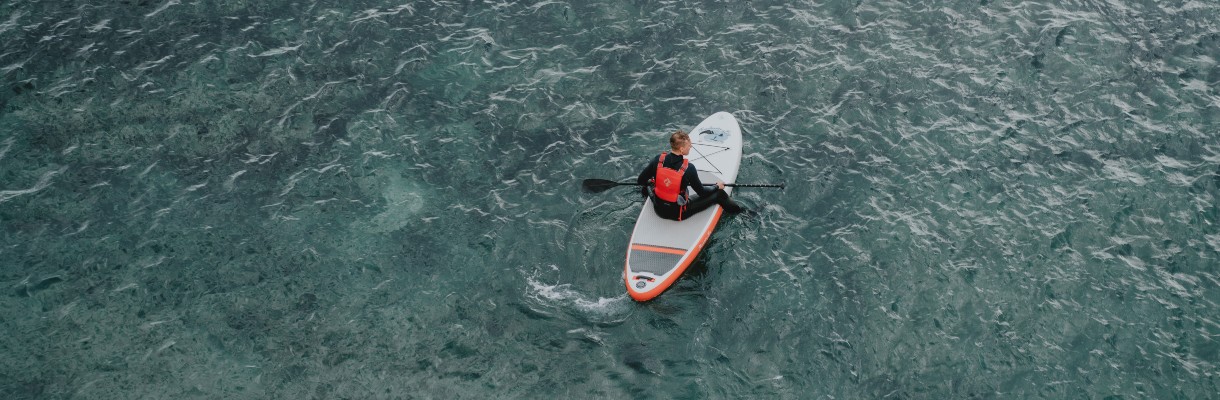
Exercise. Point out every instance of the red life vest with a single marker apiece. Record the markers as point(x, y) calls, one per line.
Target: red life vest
point(669, 185)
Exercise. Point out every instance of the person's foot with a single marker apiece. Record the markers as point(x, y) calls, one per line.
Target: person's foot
point(732, 207)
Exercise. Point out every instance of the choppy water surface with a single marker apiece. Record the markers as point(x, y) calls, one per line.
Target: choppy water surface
point(228, 199)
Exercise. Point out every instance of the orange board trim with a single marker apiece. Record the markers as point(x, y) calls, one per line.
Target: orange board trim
point(673, 277)
point(658, 249)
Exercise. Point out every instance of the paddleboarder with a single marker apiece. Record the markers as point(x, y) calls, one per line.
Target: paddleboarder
point(666, 178)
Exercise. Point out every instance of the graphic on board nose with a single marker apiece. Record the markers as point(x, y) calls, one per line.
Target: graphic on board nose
point(714, 135)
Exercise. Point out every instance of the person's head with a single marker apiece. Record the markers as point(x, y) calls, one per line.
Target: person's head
point(679, 142)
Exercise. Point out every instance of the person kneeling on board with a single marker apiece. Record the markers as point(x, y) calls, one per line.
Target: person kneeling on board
point(665, 179)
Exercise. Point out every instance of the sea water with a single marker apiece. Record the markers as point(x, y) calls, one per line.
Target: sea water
point(370, 199)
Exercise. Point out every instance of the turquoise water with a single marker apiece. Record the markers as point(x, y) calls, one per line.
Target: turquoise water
point(228, 199)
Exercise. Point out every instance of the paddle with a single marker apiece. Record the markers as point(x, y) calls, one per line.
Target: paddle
point(601, 185)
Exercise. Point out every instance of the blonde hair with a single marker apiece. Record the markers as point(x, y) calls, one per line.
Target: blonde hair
point(678, 139)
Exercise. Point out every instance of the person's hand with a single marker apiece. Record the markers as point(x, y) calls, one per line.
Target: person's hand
point(720, 185)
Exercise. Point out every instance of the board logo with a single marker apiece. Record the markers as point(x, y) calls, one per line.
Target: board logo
point(714, 135)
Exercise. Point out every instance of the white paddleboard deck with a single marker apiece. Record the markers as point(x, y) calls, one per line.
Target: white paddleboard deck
point(662, 249)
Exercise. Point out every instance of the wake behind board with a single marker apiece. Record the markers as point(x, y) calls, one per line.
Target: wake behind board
point(662, 249)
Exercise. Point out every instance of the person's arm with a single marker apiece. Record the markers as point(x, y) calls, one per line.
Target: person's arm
point(649, 172)
point(692, 177)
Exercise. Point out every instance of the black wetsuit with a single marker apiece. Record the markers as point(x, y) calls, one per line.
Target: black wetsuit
point(706, 195)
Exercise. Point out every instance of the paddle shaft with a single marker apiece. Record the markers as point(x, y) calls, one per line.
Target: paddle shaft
point(753, 185)
point(602, 184)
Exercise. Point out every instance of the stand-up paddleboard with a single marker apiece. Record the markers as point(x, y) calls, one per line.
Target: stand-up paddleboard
point(661, 249)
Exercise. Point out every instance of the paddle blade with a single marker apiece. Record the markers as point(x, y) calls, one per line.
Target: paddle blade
point(597, 185)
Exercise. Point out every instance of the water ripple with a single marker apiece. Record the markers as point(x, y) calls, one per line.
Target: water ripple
point(984, 199)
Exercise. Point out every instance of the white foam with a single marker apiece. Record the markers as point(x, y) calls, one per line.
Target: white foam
point(8, 144)
point(563, 297)
point(12, 22)
point(279, 50)
point(43, 183)
point(163, 7)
